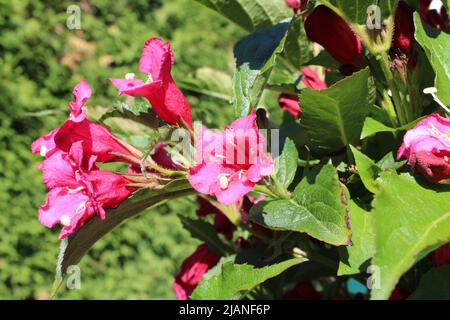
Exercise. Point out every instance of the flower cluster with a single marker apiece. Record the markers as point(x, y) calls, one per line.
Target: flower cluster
point(228, 164)
point(79, 190)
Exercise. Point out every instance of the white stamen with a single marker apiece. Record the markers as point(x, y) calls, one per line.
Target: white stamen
point(433, 91)
point(130, 76)
point(435, 5)
point(74, 190)
point(430, 90)
point(43, 151)
point(223, 181)
point(150, 78)
point(389, 93)
point(65, 220)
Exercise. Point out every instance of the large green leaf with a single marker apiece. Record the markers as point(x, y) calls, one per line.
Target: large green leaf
point(411, 218)
point(76, 246)
point(356, 258)
point(297, 49)
point(434, 285)
point(286, 163)
point(232, 281)
point(318, 207)
point(356, 11)
point(250, 14)
point(255, 57)
point(333, 118)
point(436, 44)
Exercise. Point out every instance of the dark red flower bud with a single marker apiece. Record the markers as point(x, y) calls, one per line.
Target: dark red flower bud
point(326, 28)
point(434, 13)
point(403, 38)
point(441, 256)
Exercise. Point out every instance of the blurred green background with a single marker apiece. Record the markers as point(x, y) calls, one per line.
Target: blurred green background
point(40, 62)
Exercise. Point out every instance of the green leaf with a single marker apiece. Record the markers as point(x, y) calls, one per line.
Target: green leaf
point(83, 239)
point(434, 285)
point(368, 170)
point(234, 281)
point(356, 11)
point(388, 163)
point(372, 127)
point(356, 258)
point(255, 57)
point(250, 14)
point(297, 48)
point(205, 232)
point(333, 118)
point(411, 218)
point(318, 207)
point(209, 82)
point(436, 45)
point(286, 163)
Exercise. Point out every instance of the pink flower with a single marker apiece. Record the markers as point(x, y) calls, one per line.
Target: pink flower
point(290, 102)
point(78, 190)
point(328, 29)
point(160, 89)
point(427, 148)
point(96, 139)
point(434, 13)
point(296, 5)
point(45, 145)
point(192, 271)
point(230, 164)
point(403, 37)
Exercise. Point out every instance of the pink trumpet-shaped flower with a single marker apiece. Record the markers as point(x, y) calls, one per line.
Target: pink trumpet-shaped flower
point(45, 145)
point(78, 190)
point(97, 140)
point(192, 271)
point(160, 90)
point(230, 164)
point(427, 148)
